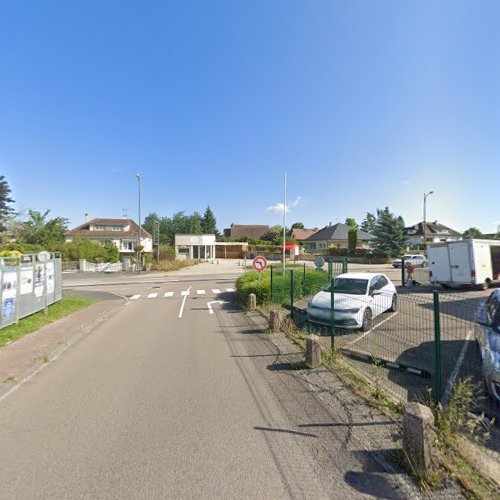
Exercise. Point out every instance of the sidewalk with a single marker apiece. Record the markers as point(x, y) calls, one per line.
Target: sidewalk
point(22, 358)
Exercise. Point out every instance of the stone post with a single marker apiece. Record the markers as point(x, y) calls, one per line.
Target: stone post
point(81, 265)
point(274, 321)
point(313, 351)
point(419, 437)
point(252, 301)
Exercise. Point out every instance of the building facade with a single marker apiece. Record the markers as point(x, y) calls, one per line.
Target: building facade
point(434, 233)
point(194, 246)
point(336, 235)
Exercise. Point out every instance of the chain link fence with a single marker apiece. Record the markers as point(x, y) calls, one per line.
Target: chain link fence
point(28, 285)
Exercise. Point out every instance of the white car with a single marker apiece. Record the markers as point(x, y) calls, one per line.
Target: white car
point(358, 298)
point(414, 260)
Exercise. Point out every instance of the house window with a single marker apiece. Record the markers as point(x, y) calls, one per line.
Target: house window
point(117, 228)
point(99, 227)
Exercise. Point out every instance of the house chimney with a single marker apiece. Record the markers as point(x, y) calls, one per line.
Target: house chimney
point(86, 217)
point(329, 224)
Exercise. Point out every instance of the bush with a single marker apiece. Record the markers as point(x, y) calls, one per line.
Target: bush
point(173, 265)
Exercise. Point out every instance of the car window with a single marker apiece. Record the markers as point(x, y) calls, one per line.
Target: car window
point(492, 309)
point(383, 281)
point(349, 285)
point(373, 283)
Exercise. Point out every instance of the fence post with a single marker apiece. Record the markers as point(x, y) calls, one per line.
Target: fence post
point(304, 279)
point(437, 349)
point(18, 292)
point(332, 317)
point(403, 271)
point(330, 265)
point(291, 293)
point(344, 265)
point(271, 267)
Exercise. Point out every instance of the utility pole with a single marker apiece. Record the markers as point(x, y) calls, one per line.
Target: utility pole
point(425, 215)
point(284, 224)
point(139, 257)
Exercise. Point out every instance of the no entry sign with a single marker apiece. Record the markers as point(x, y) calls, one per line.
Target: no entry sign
point(259, 263)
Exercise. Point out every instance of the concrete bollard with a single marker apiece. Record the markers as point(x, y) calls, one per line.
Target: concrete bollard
point(419, 437)
point(252, 301)
point(313, 351)
point(274, 321)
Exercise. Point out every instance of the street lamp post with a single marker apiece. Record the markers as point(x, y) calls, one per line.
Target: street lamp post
point(139, 232)
point(425, 214)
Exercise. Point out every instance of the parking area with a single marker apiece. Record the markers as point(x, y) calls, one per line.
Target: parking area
point(399, 352)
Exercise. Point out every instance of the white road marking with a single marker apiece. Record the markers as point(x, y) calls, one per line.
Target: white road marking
point(371, 330)
point(152, 296)
point(134, 297)
point(200, 292)
point(169, 294)
point(456, 371)
point(215, 290)
point(185, 293)
point(230, 289)
point(209, 305)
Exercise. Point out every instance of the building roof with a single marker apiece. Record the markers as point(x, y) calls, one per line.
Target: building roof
point(432, 228)
point(252, 231)
point(302, 234)
point(84, 229)
point(338, 231)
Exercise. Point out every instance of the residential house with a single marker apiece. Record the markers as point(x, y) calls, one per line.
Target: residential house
point(302, 234)
point(123, 233)
point(336, 235)
point(237, 231)
point(434, 233)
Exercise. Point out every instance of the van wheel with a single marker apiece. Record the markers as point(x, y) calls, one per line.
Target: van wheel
point(367, 320)
point(484, 286)
point(394, 303)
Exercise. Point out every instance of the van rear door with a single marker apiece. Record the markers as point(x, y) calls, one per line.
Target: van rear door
point(439, 263)
point(460, 262)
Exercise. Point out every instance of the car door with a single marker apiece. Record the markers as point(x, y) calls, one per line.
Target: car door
point(377, 298)
point(386, 293)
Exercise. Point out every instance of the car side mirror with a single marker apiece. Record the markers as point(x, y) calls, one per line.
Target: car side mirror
point(323, 288)
point(375, 292)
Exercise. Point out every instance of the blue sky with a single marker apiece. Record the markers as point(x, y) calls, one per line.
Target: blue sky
point(365, 104)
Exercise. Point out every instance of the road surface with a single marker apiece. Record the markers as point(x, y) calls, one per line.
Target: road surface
point(168, 400)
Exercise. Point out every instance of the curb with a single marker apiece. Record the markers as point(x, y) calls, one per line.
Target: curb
point(78, 334)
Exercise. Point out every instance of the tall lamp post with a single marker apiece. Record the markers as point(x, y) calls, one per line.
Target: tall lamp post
point(139, 262)
point(425, 214)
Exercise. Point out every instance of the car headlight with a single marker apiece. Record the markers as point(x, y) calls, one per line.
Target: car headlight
point(352, 311)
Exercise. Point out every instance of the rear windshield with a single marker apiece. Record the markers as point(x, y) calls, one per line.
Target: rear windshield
point(349, 285)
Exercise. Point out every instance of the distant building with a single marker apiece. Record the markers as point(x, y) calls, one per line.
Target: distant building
point(434, 233)
point(194, 246)
point(250, 231)
point(122, 233)
point(336, 235)
point(302, 234)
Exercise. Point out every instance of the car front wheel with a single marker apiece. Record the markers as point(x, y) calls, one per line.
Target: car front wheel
point(367, 320)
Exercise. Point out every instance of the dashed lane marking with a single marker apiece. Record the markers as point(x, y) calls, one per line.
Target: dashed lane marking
point(215, 290)
point(200, 292)
point(134, 297)
point(152, 296)
point(169, 294)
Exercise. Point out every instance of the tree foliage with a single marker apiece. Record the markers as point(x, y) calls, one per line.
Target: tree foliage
point(5, 202)
point(352, 238)
point(298, 225)
point(369, 223)
point(38, 229)
point(209, 222)
point(389, 230)
point(351, 223)
point(471, 233)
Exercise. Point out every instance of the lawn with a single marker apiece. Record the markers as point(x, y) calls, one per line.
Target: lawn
point(67, 305)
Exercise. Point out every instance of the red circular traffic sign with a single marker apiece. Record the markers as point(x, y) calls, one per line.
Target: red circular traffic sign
point(259, 263)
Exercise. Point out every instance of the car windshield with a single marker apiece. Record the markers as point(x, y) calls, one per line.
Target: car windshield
point(352, 286)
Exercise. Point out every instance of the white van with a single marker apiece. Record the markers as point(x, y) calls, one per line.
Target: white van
point(467, 262)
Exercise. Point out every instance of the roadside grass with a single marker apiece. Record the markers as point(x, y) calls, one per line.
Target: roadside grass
point(173, 265)
point(67, 305)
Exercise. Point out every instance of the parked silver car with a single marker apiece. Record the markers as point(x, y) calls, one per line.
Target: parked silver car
point(488, 341)
point(414, 260)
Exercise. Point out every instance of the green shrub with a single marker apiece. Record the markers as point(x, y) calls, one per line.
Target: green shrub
point(356, 252)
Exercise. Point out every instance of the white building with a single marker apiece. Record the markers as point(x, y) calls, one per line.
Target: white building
point(194, 246)
point(122, 233)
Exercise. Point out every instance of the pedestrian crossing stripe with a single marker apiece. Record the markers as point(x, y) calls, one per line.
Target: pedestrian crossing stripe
point(183, 293)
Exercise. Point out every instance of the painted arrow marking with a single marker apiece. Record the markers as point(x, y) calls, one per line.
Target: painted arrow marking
point(209, 305)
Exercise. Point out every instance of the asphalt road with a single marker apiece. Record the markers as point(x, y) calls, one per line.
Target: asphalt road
point(168, 400)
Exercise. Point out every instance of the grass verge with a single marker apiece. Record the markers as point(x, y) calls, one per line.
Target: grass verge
point(173, 265)
point(67, 305)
